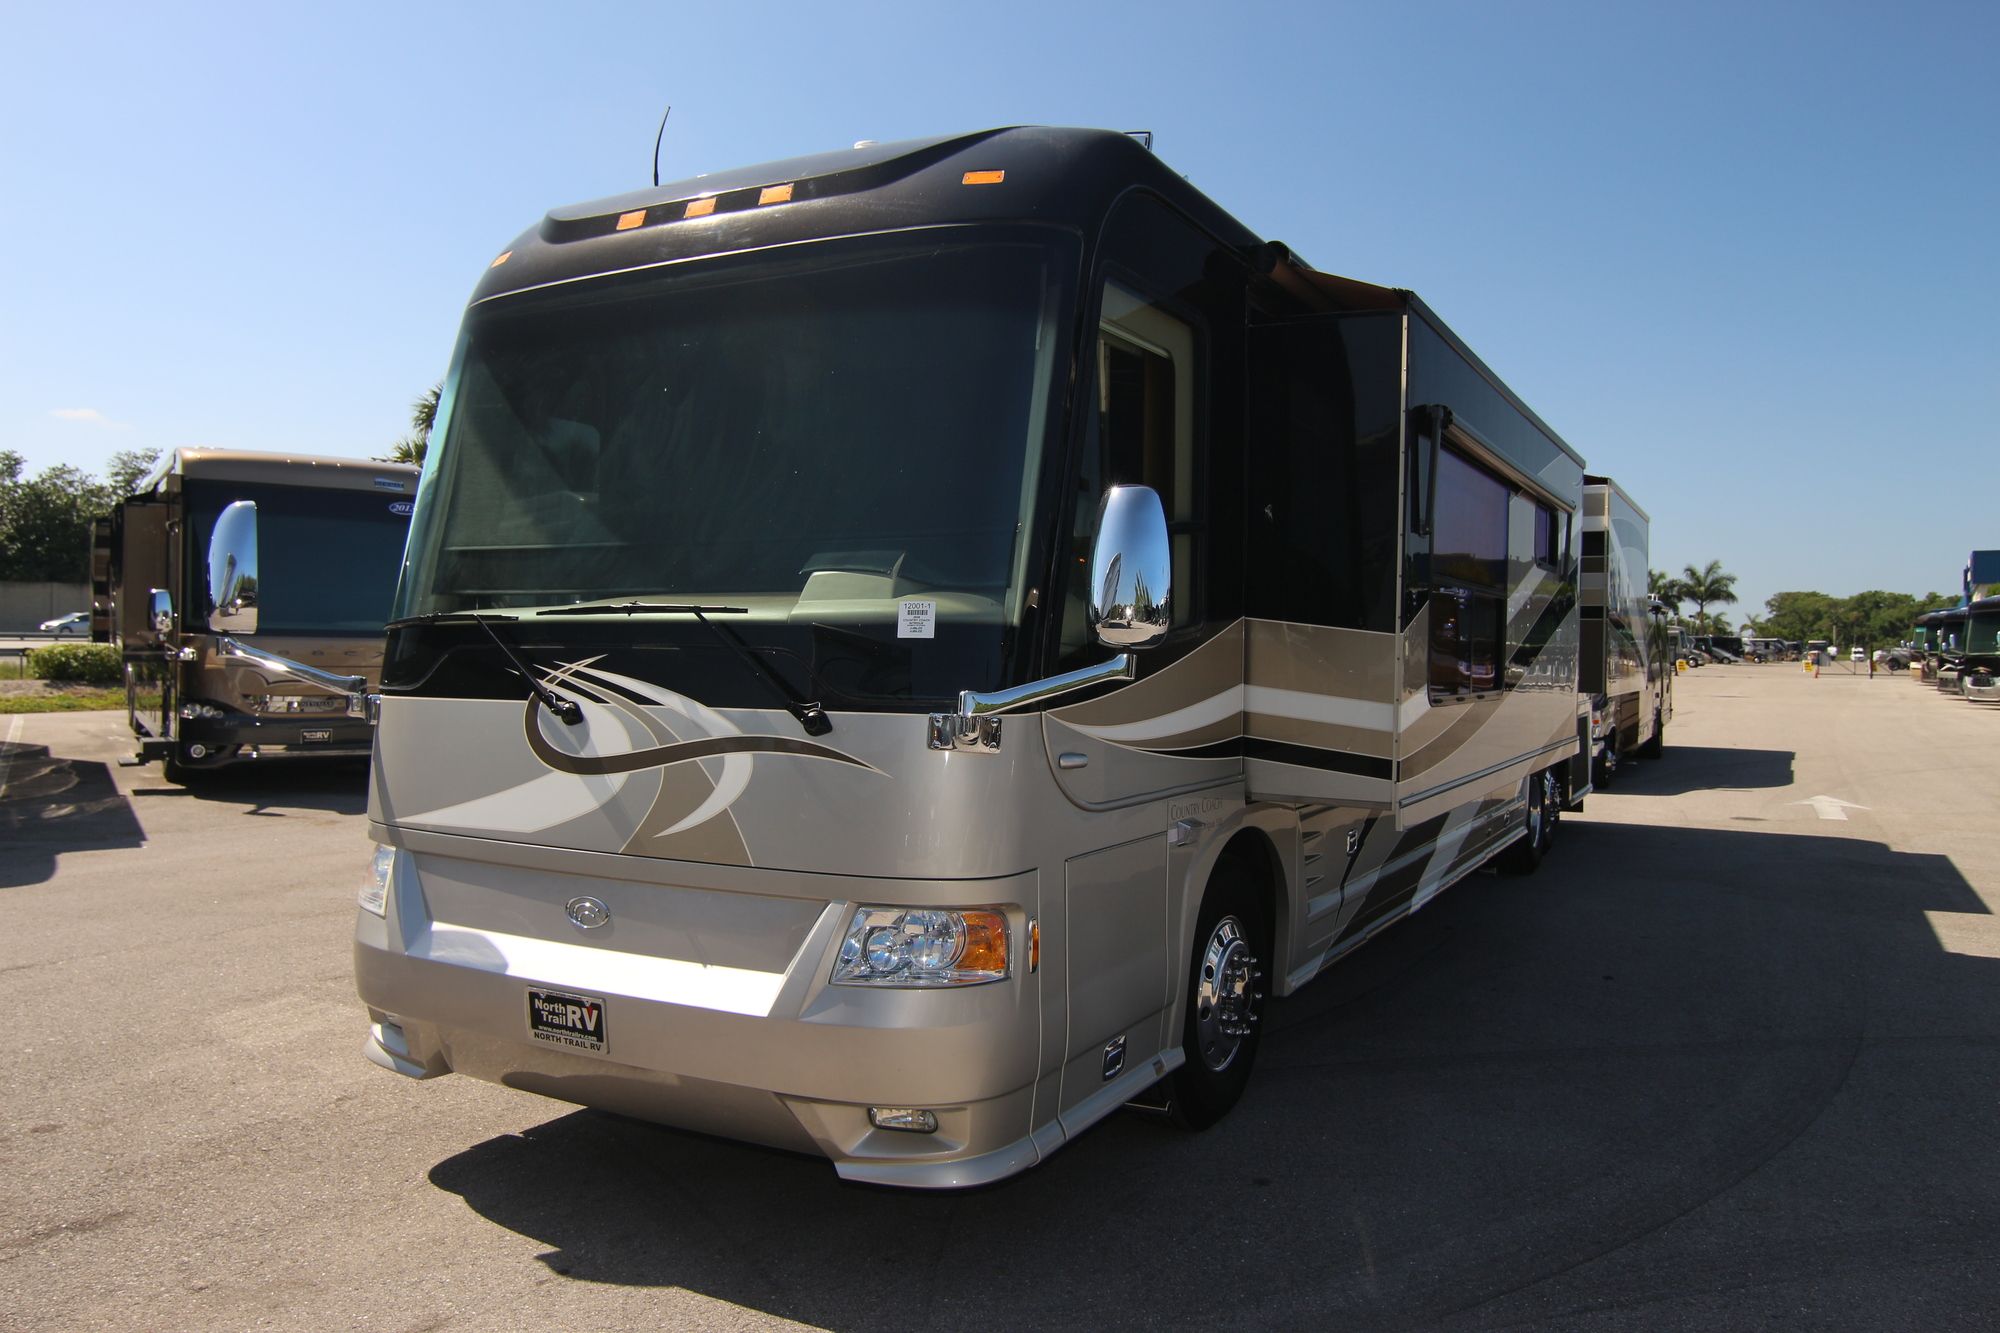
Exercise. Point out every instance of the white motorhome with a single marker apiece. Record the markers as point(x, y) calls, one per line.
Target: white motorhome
point(1627, 667)
point(901, 651)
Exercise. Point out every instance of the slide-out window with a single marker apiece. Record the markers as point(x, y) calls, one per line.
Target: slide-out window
point(1468, 579)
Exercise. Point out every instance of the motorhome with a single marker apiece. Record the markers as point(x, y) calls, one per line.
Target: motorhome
point(235, 649)
point(1949, 654)
point(1923, 643)
point(1626, 666)
point(903, 650)
point(1979, 673)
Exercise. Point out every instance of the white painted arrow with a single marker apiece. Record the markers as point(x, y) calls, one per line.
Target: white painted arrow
point(1831, 807)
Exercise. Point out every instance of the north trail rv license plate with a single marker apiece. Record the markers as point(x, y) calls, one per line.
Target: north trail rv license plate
point(563, 1019)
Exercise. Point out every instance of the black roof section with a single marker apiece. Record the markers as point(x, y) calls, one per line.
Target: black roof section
point(1022, 174)
point(1062, 177)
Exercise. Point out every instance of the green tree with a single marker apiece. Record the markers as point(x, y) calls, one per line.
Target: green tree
point(1670, 590)
point(423, 415)
point(1799, 616)
point(128, 467)
point(1707, 586)
point(45, 521)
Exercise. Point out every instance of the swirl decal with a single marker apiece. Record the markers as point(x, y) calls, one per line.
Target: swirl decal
point(659, 756)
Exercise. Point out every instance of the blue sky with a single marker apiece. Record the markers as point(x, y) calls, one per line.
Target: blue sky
point(1742, 257)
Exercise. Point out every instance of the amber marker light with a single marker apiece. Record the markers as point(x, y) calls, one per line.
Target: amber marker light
point(1034, 946)
point(775, 194)
point(699, 208)
point(636, 218)
point(985, 943)
point(505, 255)
point(982, 178)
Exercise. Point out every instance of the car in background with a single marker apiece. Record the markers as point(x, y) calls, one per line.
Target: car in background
point(1857, 654)
point(76, 622)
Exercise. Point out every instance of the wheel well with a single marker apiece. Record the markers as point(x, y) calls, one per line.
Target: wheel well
point(1252, 851)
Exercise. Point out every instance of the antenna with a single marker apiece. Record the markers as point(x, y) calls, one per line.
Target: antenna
point(656, 143)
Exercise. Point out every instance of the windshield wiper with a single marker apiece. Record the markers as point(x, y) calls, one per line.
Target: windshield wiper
point(569, 711)
point(443, 617)
point(811, 716)
point(635, 608)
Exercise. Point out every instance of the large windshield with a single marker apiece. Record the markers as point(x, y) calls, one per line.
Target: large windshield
point(326, 558)
point(1982, 633)
point(845, 433)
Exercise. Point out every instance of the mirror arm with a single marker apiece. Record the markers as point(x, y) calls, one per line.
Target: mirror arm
point(359, 699)
point(976, 724)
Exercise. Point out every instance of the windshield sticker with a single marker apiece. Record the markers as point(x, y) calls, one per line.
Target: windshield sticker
point(916, 620)
point(403, 507)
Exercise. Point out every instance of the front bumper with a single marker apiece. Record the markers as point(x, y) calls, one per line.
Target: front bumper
point(764, 1050)
point(240, 737)
point(1983, 686)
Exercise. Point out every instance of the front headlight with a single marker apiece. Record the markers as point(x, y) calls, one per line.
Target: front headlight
point(375, 888)
point(897, 946)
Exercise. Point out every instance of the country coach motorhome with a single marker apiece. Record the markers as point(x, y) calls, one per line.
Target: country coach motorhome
point(238, 648)
point(1948, 654)
point(1979, 671)
point(1626, 666)
point(902, 650)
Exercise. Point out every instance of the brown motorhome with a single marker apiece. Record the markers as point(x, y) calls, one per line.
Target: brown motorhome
point(247, 591)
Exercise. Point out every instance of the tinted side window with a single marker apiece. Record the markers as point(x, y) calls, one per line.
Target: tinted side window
point(1468, 577)
point(1161, 395)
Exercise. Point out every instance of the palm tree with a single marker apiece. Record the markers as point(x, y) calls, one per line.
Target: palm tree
point(1667, 589)
point(1710, 583)
point(423, 415)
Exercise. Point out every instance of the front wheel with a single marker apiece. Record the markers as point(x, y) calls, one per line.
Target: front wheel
point(1225, 1000)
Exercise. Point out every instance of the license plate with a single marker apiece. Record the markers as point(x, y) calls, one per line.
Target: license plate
point(316, 734)
point(563, 1019)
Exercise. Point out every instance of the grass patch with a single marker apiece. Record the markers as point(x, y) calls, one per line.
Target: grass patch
point(70, 701)
point(83, 701)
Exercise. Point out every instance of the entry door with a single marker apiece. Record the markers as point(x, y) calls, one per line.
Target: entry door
point(1152, 409)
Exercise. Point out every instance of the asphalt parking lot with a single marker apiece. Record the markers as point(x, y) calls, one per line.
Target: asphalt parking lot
point(1731, 1058)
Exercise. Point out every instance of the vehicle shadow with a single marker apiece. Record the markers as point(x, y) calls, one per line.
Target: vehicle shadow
point(1492, 1114)
point(51, 805)
point(1704, 768)
point(338, 786)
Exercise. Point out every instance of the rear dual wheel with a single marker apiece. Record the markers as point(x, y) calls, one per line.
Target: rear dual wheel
point(1544, 810)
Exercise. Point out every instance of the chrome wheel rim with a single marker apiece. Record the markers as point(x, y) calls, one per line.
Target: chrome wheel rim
point(1225, 999)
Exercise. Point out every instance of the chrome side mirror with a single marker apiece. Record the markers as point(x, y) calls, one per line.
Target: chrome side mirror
point(160, 612)
point(232, 570)
point(1131, 569)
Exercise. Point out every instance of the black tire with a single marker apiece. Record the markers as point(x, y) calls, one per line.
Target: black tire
point(1232, 938)
point(1524, 857)
point(174, 771)
point(1653, 748)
